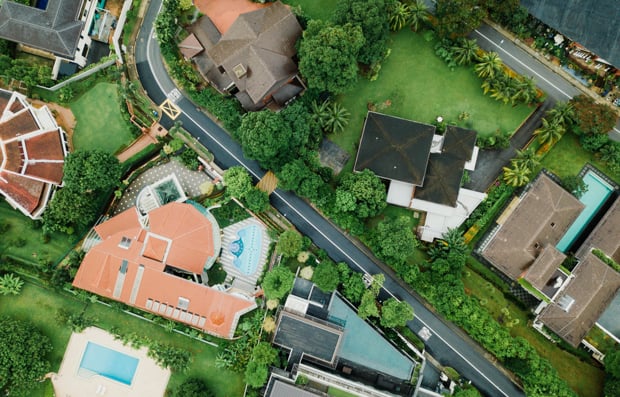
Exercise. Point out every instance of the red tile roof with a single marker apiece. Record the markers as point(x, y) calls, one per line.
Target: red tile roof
point(129, 266)
point(32, 158)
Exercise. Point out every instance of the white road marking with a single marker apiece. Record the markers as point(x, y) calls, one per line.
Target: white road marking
point(240, 161)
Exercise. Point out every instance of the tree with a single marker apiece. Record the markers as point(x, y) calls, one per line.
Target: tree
point(69, 210)
point(489, 66)
point(372, 18)
point(289, 244)
point(278, 282)
point(465, 51)
point(592, 117)
point(353, 287)
point(326, 276)
point(256, 200)
point(193, 387)
point(399, 15)
point(10, 284)
point(238, 181)
point(418, 14)
point(368, 306)
point(91, 171)
point(256, 374)
point(469, 392)
point(562, 113)
point(457, 18)
point(328, 56)
point(395, 313)
point(394, 241)
point(361, 193)
point(264, 353)
point(292, 174)
point(527, 158)
point(265, 137)
point(23, 352)
point(516, 176)
point(177, 359)
point(549, 132)
point(337, 118)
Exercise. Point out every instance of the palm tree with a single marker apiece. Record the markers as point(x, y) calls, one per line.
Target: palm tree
point(465, 51)
point(10, 284)
point(525, 90)
point(562, 112)
point(399, 16)
point(320, 112)
point(489, 65)
point(549, 132)
point(419, 14)
point(516, 176)
point(338, 118)
point(527, 158)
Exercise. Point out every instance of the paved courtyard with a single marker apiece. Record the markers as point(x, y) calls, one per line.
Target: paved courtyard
point(190, 181)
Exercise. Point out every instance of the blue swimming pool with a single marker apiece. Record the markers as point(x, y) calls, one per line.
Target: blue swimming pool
point(598, 192)
point(247, 248)
point(107, 362)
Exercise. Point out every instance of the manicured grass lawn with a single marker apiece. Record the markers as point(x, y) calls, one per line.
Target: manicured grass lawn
point(567, 158)
point(415, 84)
point(587, 380)
point(332, 391)
point(315, 9)
point(40, 306)
point(99, 121)
point(33, 250)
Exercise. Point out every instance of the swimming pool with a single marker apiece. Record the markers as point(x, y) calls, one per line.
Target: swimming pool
point(107, 362)
point(247, 248)
point(598, 192)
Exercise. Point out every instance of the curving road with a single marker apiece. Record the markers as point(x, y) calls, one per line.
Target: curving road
point(446, 344)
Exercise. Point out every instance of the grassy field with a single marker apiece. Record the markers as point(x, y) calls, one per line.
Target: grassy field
point(40, 306)
point(586, 379)
point(34, 248)
point(567, 158)
point(99, 121)
point(315, 9)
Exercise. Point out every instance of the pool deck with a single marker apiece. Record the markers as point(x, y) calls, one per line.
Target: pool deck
point(149, 379)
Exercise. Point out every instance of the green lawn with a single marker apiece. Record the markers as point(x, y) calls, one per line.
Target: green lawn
point(99, 121)
point(567, 157)
point(40, 306)
point(34, 249)
point(587, 380)
point(332, 391)
point(315, 9)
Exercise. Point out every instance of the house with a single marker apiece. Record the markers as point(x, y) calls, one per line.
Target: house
point(32, 153)
point(252, 59)
point(329, 343)
point(53, 28)
point(424, 169)
point(157, 262)
point(592, 23)
point(524, 247)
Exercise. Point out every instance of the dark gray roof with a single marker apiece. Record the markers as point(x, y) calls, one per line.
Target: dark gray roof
point(445, 169)
point(55, 29)
point(279, 388)
point(594, 24)
point(395, 148)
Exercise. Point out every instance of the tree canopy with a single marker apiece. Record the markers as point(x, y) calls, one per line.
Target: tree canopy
point(328, 55)
point(395, 313)
point(372, 17)
point(394, 240)
point(361, 193)
point(289, 244)
point(238, 181)
point(193, 387)
point(592, 117)
point(278, 282)
point(326, 276)
point(93, 170)
point(23, 351)
point(457, 18)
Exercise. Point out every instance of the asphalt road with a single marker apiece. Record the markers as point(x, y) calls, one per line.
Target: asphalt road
point(446, 344)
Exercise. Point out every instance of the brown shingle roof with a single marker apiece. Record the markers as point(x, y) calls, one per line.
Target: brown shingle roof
point(544, 267)
point(606, 235)
point(190, 47)
point(541, 218)
point(31, 156)
point(178, 235)
point(593, 288)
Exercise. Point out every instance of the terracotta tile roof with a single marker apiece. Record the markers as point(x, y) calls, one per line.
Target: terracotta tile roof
point(541, 218)
point(31, 156)
point(132, 265)
point(593, 288)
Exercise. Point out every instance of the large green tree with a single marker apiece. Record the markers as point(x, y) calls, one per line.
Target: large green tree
point(360, 193)
point(395, 313)
point(457, 18)
point(193, 387)
point(292, 174)
point(238, 181)
point(394, 240)
point(326, 276)
point(289, 244)
point(592, 117)
point(70, 210)
point(278, 282)
point(92, 170)
point(550, 132)
point(23, 352)
point(328, 56)
point(373, 18)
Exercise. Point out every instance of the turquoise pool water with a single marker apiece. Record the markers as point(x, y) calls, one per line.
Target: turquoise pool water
point(247, 249)
point(597, 194)
point(107, 362)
